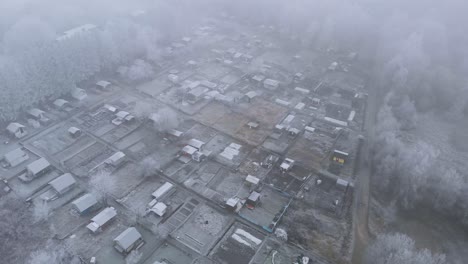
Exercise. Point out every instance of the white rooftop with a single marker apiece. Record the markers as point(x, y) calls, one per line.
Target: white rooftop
point(85, 202)
point(128, 237)
point(62, 182)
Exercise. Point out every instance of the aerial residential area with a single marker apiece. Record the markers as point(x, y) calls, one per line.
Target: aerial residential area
point(234, 144)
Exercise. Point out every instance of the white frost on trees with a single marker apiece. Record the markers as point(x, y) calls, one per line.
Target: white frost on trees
point(398, 249)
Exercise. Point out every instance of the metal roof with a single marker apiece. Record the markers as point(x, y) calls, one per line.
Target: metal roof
point(38, 166)
point(13, 155)
point(12, 127)
point(104, 216)
point(128, 237)
point(85, 202)
point(62, 182)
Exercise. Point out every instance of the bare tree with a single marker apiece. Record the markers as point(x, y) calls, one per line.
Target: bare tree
point(165, 119)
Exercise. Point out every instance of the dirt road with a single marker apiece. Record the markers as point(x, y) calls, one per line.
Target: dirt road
point(363, 178)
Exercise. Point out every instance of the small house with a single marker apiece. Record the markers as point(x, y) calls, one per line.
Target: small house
point(208, 84)
point(103, 85)
point(196, 94)
point(110, 108)
point(63, 184)
point(175, 134)
point(15, 157)
point(159, 209)
point(79, 94)
point(302, 90)
point(122, 116)
point(253, 125)
point(128, 240)
point(253, 200)
point(85, 204)
point(37, 168)
point(17, 130)
point(258, 79)
point(61, 103)
point(116, 159)
point(271, 84)
point(249, 96)
point(161, 191)
point(37, 114)
point(74, 132)
point(233, 203)
point(102, 219)
point(342, 184)
point(196, 144)
point(293, 132)
point(252, 180)
point(287, 165)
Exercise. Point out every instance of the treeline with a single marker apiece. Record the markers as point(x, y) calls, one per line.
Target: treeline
point(47, 68)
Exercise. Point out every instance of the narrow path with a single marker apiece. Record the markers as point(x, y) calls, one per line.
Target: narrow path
point(362, 185)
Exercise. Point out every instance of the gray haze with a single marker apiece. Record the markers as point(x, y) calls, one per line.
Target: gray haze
point(414, 53)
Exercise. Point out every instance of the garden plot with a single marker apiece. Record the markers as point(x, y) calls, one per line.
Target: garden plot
point(154, 88)
point(120, 131)
point(311, 150)
point(109, 255)
point(55, 139)
point(202, 229)
point(234, 124)
point(84, 243)
point(252, 164)
point(168, 253)
point(88, 159)
point(266, 113)
point(213, 70)
point(267, 210)
point(238, 246)
point(201, 132)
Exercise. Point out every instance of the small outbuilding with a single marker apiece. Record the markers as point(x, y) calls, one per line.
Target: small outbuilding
point(271, 84)
point(37, 114)
point(17, 130)
point(37, 168)
point(85, 204)
point(102, 219)
point(74, 132)
point(15, 157)
point(253, 200)
point(103, 85)
point(252, 180)
point(161, 191)
point(128, 240)
point(196, 144)
point(61, 103)
point(79, 94)
point(116, 159)
point(63, 183)
point(159, 209)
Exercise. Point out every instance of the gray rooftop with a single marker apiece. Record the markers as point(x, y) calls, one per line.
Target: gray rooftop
point(62, 182)
point(128, 237)
point(85, 202)
point(38, 166)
